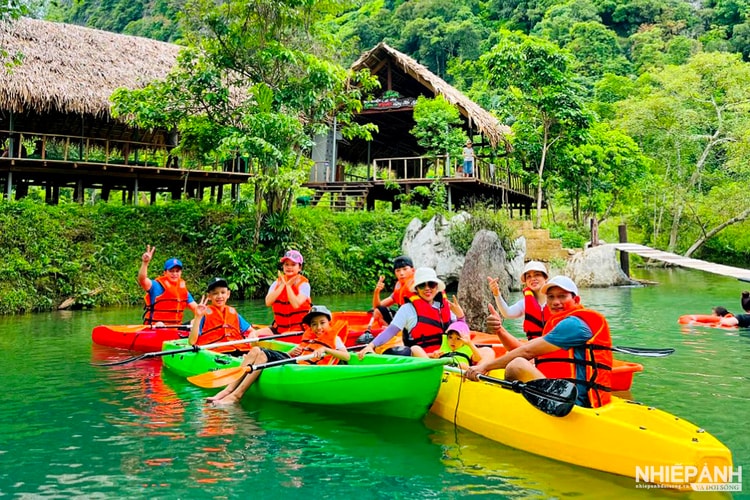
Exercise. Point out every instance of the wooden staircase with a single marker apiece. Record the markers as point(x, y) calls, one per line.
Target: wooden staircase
point(341, 197)
point(539, 245)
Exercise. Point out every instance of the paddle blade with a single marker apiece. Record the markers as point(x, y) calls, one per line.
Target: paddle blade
point(554, 397)
point(121, 362)
point(219, 378)
point(644, 351)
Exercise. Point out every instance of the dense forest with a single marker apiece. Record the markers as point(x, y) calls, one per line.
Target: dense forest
point(632, 111)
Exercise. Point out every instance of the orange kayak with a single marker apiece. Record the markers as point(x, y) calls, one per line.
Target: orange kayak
point(622, 371)
point(142, 338)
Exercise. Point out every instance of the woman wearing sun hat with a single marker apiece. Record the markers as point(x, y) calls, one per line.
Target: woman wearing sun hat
point(289, 295)
point(426, 316)
point(532, 307)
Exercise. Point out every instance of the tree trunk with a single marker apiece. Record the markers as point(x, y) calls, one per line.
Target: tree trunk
point(710, 234)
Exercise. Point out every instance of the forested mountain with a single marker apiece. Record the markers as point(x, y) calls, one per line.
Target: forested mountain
point(631, 110)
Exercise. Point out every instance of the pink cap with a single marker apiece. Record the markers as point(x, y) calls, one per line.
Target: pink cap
point(459, 327)
point(294, 256)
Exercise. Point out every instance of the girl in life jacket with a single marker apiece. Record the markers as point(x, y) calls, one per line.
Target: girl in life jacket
point(532, 306)
point(457, 344)
point(576, 345)
point(289, 295)
point(426, 316)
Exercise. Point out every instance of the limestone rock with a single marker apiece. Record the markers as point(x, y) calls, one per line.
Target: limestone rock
point(486, 257)
point(429, 245)
point(596, 267)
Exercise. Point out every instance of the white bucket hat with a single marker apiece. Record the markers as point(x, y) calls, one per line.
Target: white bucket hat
point(561, 282)
point(534, 265)
point(425, 275)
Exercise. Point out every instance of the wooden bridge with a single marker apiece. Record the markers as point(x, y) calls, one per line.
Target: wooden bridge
point(679, 260)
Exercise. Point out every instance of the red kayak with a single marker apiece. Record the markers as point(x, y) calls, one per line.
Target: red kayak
point(357, 322)
point(142, 338)
point(622, 371)
point(145, 338)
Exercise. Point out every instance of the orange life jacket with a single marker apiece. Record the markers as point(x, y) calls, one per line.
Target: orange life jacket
point(534, 315)
point(311, 342)
point(597, 356)
point(168, 306)
point(222, 326)
point(431, 323)
point(402, 291)
point(285, 317)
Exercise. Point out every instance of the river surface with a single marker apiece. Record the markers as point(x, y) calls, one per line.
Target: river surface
point(73, 430)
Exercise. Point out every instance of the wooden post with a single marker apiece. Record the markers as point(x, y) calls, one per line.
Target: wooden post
point(624, 257)
point(594, 224)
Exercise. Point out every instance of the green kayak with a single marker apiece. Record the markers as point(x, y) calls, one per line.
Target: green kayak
point(395, 386)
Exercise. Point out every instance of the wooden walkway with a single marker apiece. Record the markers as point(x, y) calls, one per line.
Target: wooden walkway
point(679, 260)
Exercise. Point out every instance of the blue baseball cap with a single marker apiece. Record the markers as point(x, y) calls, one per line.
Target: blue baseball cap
point(173, 262)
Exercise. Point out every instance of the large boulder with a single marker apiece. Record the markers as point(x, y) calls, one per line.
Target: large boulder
point(486, 257)
point(429, 245)
point(597, 267)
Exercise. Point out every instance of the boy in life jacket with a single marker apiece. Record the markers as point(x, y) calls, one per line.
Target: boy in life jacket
point(166, 296)
point(425, 316)
point(289, 295)
point(218, 322)
point(403, 268)
point(319, 338)
point(575, 345)
point(457, 344)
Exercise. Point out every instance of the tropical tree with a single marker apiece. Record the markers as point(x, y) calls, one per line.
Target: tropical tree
point(253, 83)
point(438, 125)
point(694, 121)
point(600, 172)
point(541, 92)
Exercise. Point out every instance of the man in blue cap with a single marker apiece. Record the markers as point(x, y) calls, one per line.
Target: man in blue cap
point(166, 296)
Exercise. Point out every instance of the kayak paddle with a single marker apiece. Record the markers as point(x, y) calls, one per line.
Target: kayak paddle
point(648, 352)
point(225, 376)
point(553, 396)
point(195, 348)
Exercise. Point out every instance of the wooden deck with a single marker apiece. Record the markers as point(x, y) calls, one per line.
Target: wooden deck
point(679, 260)
point(388, 179)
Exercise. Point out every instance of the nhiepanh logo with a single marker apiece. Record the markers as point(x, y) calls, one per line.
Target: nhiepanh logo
point(689, 477)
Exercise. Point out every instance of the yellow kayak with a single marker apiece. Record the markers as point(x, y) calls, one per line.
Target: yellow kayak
point(624, 437)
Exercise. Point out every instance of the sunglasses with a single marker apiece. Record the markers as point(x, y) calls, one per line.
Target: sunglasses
point(429, 284)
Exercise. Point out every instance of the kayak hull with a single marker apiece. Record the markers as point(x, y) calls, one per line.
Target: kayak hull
point(622, 371)
point(616, 438)
point(394, 386)
point(141, 338)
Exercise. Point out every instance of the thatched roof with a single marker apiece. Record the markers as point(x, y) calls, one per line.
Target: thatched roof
point(71, 69)
point(479, 118)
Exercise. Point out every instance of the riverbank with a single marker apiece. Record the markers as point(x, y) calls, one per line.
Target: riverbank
point(89, 255)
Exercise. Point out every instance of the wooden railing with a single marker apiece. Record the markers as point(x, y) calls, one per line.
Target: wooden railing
point(73, 148)
point(426, 167)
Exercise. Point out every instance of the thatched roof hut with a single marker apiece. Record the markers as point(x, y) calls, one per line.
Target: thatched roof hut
point(401, 73)
point(73, 69)
point(70, 70)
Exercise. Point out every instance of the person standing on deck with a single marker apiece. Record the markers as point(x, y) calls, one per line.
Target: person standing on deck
point(468, 154)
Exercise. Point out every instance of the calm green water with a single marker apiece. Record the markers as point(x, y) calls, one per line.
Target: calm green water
point(70, 429)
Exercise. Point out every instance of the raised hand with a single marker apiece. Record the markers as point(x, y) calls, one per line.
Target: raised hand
point(494, 320)
point(456, 307)
point(148, 254)
point(381, 284)
point(202, 307)
point(494, 286)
